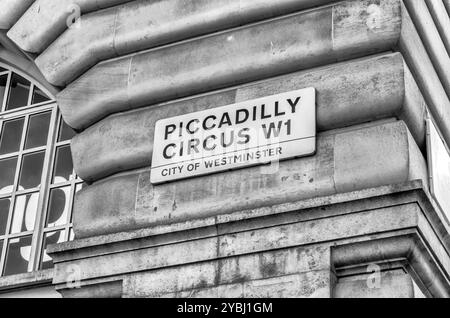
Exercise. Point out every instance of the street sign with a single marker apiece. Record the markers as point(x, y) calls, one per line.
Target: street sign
point(249, 133)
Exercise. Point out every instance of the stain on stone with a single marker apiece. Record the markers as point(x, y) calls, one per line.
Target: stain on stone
point(174, 205)
point(202, 284)
point(238, 279)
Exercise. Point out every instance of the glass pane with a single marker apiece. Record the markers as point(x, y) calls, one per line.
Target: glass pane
point(3, 82)
point(65, 132)
point(4, 212)
point(7, 174)
point(39, 96)
point(38, 130)
point(58, 207)
point(49, 239)
point(63, 165)
point(18, 255)
point(11, 136)
point(31, 171)
point(24, 216)
point(18, 93)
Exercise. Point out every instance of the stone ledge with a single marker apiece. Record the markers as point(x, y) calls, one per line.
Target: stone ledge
point(380, 153)
point(11, 11)
point(14, 282)
point(328, 34)
point(45, 20)
point(392, 219)
point(141, 25)
point(429, 270)
point(432, 40)
point(347, 94)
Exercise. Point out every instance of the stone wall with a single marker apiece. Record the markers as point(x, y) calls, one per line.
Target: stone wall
point(312, 228)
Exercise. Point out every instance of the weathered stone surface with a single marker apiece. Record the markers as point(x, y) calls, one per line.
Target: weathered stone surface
point(447, 5)
point(45, 20)
point(347, 94)
point(129, 201)
point(234, 57)
point(236, 270)
point(305, 285)
point(441, 19)
point(99, 264)
point(392, 284)
point(140, 25)
point(391, 226)
point(11, 11)
point(422, 68)
point(432, 40)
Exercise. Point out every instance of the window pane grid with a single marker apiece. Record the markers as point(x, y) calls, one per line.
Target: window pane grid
point(19, 92)
point(43, 175)
point(58, 208)
point(19, 203)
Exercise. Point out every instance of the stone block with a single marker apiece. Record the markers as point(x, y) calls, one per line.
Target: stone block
point(380, 155)
point(347, 94)
point(254, 52)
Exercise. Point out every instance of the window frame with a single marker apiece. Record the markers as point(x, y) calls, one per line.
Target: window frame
point(40, 230)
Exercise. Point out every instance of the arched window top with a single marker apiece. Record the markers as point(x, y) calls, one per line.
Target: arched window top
point(17, 90)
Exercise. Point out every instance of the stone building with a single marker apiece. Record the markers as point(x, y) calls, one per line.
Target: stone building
point(366, 214)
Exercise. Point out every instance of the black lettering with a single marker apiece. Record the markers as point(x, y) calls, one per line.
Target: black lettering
point(277, 110)
point(293, 104)
point(226, 120)
point(244, 135)
point(263, 112)
point(205, 143)
point(243, 120)
point(169, 130)
point(193, 146)
point(272, 130)
point(205, 122)
point(188, 127)
point(224, 143)
point(166, 156)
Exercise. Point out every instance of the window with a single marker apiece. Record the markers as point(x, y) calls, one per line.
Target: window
point(37, 181)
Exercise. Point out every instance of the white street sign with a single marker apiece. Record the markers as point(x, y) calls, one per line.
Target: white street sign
point(249, 133)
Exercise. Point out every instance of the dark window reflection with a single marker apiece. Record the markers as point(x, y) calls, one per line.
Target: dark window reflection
point(18, 255)
point(18, 93)
point(65, 132)
point(38, 130)
point(24, 215)
point(63, 165)
point(3, 81)
point(31, 171)
point(4, 212)
point(11, 136)
point(7, 174)
point(58, 207)
point(39, 96)
point(50, 238)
